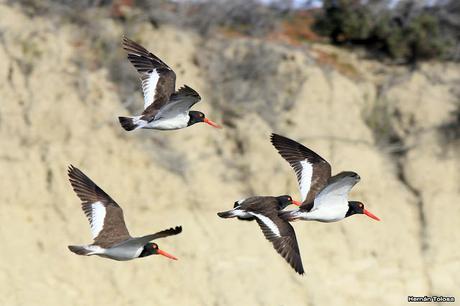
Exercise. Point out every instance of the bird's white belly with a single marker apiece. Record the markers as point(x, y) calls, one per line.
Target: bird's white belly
point(325, 214)
point(178, 122)
point(122, 253)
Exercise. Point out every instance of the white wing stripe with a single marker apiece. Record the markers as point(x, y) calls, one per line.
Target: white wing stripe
point(149, 86)
point(97, 217)
point(268, 222)
point(305, 178)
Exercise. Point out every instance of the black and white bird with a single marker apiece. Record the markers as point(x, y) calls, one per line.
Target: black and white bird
point(111, 237)
point(164, 107)
point(324, 197)
point(265, 209)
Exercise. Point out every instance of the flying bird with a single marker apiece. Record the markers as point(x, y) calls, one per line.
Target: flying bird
point(265, 209)
point(164, 107)
point(111, 237)
point(324, 197)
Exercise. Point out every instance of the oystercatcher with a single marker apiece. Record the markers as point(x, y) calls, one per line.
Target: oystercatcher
point(111, 237)
point(325, 198)
point(164, 108)
point(265, 209)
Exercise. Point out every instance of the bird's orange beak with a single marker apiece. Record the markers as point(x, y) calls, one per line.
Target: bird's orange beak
point(371, 215)
point(296, 203)
point(161, 252)
point(211, 123)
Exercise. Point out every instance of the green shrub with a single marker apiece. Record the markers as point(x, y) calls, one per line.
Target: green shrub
point(406, 33)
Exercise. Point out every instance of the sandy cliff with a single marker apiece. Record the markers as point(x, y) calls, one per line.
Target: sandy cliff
point(53, 112)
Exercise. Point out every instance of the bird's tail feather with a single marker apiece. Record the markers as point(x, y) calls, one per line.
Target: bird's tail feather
point(79, 249)
point(236, 213)
point(131, 123)
point(227, 214)
point(289, 215)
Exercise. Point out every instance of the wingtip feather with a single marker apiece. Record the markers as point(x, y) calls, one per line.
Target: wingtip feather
point(73, 173)
point(178, 229)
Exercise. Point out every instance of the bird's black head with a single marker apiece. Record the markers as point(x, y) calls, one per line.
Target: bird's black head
point(355, 207)
point(286, 200)
point(196, 117)
point(149, 249)
point(152, 249)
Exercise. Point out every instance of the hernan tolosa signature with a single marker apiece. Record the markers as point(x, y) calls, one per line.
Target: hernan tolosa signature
point(431, 299)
